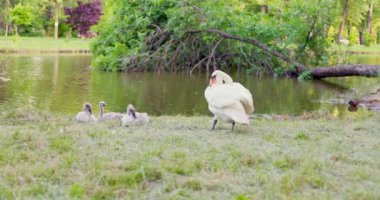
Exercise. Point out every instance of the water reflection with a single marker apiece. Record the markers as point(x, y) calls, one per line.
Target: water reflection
point(62, 83)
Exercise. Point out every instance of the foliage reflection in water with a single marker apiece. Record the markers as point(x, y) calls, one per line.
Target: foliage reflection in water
point(62, 83)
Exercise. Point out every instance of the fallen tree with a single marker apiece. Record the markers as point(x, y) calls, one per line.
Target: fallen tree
point(336, 71)
point(299, 68)
point(346, 70)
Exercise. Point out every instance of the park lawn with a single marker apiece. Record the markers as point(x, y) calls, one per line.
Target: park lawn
point(49, 156)
point(375, 48)
point(44, 44)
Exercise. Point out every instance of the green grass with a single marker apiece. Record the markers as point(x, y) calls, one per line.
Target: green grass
point(43, 44)
point(48, 156)
point(363, 49)
point(373, 49)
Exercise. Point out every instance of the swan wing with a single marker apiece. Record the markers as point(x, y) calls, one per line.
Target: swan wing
point(244, 96)
point(220, 96)
point(236, 113)
point(225, 95)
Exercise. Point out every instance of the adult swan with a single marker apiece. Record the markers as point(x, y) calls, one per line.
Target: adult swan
point(228, 100)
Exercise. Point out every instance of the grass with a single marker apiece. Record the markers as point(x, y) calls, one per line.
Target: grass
point(359, 49)
point(44, 44)
point(49, 156)
point(375, 48)
point(49, 44)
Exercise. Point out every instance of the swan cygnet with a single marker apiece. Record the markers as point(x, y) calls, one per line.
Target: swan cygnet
point(227, 100)
point(109, 115)
point(85, 115)
point(134, 118)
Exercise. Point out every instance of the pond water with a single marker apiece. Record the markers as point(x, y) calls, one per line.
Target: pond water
point(62, 83)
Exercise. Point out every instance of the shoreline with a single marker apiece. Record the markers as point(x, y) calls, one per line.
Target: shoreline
point(365, 52)
point(44, 51)
point(5, 51)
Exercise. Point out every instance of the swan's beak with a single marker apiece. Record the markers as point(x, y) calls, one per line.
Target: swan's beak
point(211, 82)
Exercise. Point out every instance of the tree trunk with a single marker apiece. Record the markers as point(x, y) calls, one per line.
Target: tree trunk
point(346, 70)
point(338, 71)
point(361, 37)
point(7, 8)
point(369, 17)
point(16, 31)
point(6, 29)
point(56, 19)
point(264, 8)
point(341, 27)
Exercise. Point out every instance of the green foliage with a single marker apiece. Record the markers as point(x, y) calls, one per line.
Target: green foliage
point(156, 35)
point(306, 75)
point(331, 34)
point(368, 39)
point(21, 15)
point(354, 36)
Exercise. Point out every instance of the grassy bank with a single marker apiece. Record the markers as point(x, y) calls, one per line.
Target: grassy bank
point(50, 156)
point(373, 49)
point(13, 44)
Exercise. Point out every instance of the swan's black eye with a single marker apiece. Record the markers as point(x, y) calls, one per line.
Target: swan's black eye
point(224, 82)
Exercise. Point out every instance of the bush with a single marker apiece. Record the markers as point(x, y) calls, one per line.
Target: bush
point(33, 34)
point(331, 35)
point(156, 35)
point(368, 39)
point(354, 36)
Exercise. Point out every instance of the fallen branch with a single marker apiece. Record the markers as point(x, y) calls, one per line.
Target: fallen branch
point(256, 43)
point(346, 70)
point(316, 73)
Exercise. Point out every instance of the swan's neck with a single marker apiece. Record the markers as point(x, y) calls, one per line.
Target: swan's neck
point(132, 113)
point(101, 111)
point(88, 111)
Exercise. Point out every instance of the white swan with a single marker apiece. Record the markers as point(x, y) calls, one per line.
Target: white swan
point(86, 114)
point(228, 100)
point(107, 116)
point(134, 118)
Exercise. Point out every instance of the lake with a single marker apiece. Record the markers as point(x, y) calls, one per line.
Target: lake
point(62, 83)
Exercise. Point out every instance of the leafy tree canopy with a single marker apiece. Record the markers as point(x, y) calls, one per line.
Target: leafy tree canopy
point(21, 15)
point(159, 34)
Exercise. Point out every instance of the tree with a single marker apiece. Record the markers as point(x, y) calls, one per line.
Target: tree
point(157, 35)
point(56, 17)
point(85, 15)
point(5, 10)
point(20, 15)
point(344, 18)
point(369, 16)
